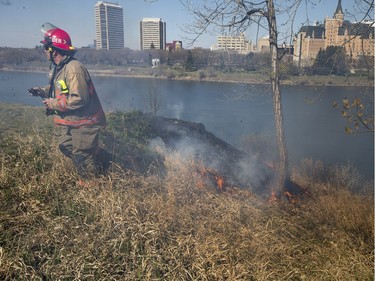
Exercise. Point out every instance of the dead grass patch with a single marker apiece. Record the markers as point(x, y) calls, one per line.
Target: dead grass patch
point(132, 226)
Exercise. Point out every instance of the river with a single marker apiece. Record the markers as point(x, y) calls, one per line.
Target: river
point(313, 128)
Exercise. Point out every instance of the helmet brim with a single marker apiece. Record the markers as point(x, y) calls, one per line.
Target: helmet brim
point(47, 26)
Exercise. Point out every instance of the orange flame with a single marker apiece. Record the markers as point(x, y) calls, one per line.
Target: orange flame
point(273, 198)
point(219, 182)
point(291, 197)
point(209, 177)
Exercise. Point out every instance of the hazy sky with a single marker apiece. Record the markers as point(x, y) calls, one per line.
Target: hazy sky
point(21, 20)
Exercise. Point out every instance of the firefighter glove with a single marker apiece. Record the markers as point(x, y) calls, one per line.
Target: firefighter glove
point(47, 103)
point(37, 92)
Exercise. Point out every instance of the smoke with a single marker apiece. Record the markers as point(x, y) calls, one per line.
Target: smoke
point(157, 145)
point(237, 168)
point(176, 110)
point(255, 173)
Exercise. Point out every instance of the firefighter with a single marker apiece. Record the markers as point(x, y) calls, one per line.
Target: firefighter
point(72, 99)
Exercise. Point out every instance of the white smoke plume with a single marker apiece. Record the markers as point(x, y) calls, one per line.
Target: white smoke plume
point(239, 169)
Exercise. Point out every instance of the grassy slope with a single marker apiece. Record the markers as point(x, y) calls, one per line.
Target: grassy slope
point(143, 227)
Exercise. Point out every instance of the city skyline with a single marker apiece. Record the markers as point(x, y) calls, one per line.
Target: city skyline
point(20, 20)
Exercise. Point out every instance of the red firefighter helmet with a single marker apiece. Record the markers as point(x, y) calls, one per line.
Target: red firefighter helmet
point(56, 37)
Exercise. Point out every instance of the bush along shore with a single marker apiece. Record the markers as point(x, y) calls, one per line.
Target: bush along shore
point(205, 74)
point(201, 64)
point(156, 216)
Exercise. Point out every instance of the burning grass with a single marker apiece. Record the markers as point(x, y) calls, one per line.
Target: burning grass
point(174, 226)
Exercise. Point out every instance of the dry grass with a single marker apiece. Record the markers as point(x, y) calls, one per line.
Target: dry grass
point(135, 227)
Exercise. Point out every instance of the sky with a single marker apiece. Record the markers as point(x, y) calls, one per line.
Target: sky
point(21, 20)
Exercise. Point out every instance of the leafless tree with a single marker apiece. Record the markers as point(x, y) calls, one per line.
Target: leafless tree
point(236, 16)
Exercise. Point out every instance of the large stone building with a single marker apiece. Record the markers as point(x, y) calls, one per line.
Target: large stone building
point(356, 38)
point(109, 23)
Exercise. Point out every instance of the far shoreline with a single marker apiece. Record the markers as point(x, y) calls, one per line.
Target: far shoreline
point(244, 78)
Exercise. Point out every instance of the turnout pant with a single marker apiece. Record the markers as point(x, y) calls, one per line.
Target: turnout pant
point(81, 145)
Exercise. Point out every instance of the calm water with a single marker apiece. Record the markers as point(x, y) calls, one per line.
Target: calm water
point(231, 111)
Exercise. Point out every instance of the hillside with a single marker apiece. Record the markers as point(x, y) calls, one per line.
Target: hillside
point(157, 215)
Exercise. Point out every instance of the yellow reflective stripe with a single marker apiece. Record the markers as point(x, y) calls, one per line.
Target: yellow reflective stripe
point(61, 84)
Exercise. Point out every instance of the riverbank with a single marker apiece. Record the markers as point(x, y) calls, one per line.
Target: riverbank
point(206, 75)
point(175, 225)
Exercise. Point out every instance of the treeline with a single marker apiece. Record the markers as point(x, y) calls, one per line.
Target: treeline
point(191, 59)
point(331, 61)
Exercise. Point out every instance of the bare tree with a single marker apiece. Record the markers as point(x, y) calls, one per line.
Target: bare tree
point(275, 83)
point(236, 16)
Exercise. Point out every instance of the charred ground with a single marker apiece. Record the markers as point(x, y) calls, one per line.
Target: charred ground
point(221, 165)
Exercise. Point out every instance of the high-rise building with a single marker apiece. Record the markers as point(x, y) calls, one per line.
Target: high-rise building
point(109, 21)
point(152, 33)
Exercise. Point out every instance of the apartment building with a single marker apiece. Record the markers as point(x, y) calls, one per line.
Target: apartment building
point(109, 24)
point(238, 44)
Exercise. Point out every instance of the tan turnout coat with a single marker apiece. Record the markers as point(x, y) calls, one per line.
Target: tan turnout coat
point(74, 98)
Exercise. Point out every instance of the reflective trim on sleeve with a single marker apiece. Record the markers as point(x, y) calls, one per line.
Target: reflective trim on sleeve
point(62, 103)
point(91, 120)
point(62, 86)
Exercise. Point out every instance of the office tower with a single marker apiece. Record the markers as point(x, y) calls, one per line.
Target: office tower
point(152, 33)
point(109, 23)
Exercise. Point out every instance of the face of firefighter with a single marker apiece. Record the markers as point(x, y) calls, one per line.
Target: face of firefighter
point(53, 55)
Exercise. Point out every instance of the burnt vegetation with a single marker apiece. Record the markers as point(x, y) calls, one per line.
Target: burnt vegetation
point(160, 214)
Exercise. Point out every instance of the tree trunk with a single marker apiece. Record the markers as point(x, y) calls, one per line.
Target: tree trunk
point(275, 83)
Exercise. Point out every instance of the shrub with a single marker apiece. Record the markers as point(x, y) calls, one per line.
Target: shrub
point(201, 75)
